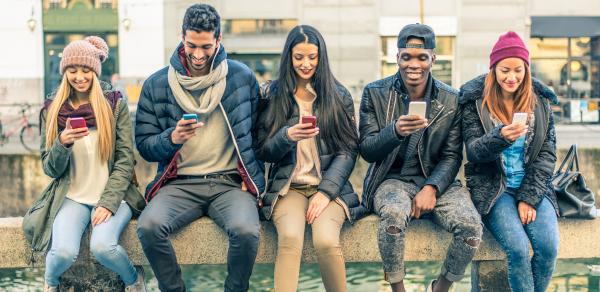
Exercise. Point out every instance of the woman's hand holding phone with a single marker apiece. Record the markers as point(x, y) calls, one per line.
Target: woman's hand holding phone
point(303, 130)
point(515, 130)
point(69, 135)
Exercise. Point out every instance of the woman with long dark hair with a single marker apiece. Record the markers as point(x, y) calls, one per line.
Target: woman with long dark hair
point(310, 162)
point(510, 140)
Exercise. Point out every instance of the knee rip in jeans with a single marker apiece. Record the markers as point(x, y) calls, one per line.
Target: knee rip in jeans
point(473, 241)
point(393, 230)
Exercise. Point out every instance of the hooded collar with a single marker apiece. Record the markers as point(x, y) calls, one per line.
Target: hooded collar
point(179, 61)
point(473, 90)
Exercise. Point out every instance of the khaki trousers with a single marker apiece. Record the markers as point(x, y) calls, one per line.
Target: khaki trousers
point(289, 218)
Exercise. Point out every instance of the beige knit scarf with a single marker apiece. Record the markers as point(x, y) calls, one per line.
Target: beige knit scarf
point(214, 83)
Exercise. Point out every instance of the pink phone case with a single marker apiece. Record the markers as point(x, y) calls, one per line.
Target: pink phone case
point(77, 123)
point(310, 119)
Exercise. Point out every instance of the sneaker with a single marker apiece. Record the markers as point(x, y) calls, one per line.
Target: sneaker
point(48, 288)
point(140, 283)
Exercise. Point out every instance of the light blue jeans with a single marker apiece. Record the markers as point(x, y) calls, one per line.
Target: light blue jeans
point(70, 223)
point(525, 274)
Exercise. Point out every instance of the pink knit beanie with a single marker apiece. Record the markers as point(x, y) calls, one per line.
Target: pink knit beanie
point(509, 45)
point(89, 52)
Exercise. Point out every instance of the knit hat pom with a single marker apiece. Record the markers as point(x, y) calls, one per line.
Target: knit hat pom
point(100, 44)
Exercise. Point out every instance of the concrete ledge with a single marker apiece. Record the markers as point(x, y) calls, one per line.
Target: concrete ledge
point(203, 242)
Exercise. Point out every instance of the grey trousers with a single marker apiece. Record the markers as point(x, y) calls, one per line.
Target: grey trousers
point(178, 204)
point(454, 211)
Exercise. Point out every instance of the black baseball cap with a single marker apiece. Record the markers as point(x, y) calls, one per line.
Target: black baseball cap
point(417, 30)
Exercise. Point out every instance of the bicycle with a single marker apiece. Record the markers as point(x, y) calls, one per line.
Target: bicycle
point(28, 132)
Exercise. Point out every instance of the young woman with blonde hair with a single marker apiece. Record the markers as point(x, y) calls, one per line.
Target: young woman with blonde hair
point(87, 149)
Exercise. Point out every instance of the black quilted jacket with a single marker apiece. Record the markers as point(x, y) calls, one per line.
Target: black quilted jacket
point(281, 153)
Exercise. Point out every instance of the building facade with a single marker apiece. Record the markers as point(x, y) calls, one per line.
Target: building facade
point(360, 36)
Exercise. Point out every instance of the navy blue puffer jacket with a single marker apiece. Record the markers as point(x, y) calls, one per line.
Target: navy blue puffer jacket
point(158, 113)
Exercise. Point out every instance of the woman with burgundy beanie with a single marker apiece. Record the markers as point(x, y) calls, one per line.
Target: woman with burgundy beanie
point(87, 150)
point(510, 141)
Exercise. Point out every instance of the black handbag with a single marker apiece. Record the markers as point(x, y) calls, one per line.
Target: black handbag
point(575, 199)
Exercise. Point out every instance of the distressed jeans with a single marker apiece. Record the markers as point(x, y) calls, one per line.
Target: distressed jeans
point(71, 221)
point(454, 211)
point(524, 273)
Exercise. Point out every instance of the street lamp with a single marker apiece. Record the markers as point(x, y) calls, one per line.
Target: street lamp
point(126, 22)
point(421, 11)
point(31, 22)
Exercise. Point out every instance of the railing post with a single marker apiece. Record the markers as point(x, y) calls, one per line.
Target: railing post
point(489, 276)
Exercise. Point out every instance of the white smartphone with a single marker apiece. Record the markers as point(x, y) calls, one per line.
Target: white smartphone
point(417, 108)
point(519, 118)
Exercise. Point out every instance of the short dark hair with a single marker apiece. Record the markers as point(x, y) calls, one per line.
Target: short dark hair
point(202, 17)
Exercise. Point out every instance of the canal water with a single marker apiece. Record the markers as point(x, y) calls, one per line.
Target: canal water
point(570, 276)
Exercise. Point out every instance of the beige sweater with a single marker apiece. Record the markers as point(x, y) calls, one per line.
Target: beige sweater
point(211, 150)
point(89, 174)
point(308, 168)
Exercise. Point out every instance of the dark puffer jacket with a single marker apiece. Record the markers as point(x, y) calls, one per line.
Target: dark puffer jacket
point(439, 149)
point(280, 151)
point(158, 113)
point(484, 173)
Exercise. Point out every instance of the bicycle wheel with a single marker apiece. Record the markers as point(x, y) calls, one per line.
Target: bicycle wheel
point(30, 137)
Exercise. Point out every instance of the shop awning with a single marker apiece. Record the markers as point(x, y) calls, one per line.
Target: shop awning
point(565, 26)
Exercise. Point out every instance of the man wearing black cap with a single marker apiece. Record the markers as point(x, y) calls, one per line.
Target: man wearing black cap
point(414, 160)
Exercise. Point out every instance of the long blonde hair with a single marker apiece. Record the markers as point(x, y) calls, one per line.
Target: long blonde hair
point(100, 107)
point(492, 97)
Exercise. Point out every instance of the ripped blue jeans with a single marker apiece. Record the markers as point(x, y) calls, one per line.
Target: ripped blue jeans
point(454, 211)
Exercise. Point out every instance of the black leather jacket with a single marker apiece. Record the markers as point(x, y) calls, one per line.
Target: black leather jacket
point(439, 149)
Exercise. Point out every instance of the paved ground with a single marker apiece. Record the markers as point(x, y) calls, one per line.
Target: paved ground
point(586, 136)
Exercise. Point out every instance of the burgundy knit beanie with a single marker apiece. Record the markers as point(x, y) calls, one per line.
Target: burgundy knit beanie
point(509, 45)
point(89, 52)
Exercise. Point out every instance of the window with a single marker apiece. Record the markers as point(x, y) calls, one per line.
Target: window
point(567, 65)
point(257, 26)
point(570, 66)
point(265, 66)
point(55, 4)
point(444, 51)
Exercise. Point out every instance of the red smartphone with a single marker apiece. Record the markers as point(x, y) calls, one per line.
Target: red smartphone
point(310, 120)
point(77, 123)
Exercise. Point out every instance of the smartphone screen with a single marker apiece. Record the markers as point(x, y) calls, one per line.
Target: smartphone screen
point(191, 117)
point(417, 108)
point(520, 118)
